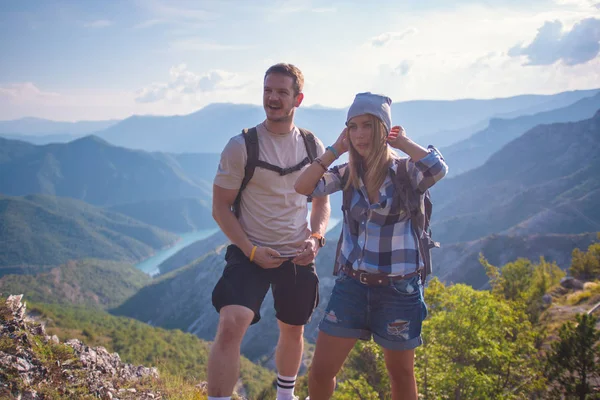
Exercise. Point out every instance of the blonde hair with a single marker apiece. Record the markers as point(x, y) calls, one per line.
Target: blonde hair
point(377, 162)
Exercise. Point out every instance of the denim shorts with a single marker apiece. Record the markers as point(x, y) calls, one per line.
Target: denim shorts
point(392, 315)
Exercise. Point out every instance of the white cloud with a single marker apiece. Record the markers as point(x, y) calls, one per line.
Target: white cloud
point(552, 43)
point(185, 85)
point(386, 38)
point(24, 92)
point(100, 23)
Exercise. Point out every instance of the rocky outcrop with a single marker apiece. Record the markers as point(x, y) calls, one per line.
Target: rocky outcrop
point(34, 365)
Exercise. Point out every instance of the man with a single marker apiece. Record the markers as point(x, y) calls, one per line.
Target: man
point(271, 243)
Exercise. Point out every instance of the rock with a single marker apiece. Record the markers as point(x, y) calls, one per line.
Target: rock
point(30, 395)
point(23, 365)
point(39, 330)
point(547, 299)
point(571, 283)
point(102, 373)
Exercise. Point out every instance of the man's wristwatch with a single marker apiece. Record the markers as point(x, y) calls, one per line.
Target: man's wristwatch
point(320, 238)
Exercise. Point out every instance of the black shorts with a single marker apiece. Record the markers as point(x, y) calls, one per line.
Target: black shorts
point(295, 288)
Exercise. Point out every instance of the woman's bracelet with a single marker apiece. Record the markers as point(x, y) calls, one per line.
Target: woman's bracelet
point(334, 151)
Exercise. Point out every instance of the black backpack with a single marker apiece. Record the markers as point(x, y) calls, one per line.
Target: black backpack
point(417, 206)
point(251, 139)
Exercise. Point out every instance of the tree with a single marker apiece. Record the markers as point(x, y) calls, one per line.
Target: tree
point(523, 282)
point(572, 361)
point(477, 346)
point(586, 265)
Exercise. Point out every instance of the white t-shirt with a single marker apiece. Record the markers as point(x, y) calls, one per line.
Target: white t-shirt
point(271, 212)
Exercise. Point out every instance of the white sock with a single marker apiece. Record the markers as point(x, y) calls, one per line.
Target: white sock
point(285, 387)
point(219, 398)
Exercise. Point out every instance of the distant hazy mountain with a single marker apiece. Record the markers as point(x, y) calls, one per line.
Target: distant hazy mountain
point(48, 230)
point(209, 129)
point(14, 149)
point(459, 262)
point(175, 215)
point(545, 181)
point(92, 170)
point(42, 139)
point(39, 126)
point(474, 151)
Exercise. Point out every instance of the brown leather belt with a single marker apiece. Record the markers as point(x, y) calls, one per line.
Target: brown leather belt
point(371, 279)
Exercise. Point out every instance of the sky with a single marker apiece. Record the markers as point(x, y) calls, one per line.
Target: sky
point(96, 60)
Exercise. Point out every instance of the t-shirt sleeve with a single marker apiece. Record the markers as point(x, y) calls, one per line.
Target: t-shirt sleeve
point(232, 164)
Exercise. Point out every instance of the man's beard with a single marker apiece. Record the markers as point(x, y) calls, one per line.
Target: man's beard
point(287, 117)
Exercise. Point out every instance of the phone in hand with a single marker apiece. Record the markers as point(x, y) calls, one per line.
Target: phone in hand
point(292, 255)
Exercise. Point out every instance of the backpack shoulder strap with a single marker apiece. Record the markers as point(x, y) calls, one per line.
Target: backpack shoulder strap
point(346, 200)
point(310, 143)
point(412, 199)
point(419, 207)
point(251, 140)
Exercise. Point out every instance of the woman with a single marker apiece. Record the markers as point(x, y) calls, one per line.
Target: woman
point(378, 292)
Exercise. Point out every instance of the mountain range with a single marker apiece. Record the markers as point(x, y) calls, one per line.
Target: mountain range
point(40, 127)
point(551, 167)
point(474, 151)
point(209, 129)
point(92, 170)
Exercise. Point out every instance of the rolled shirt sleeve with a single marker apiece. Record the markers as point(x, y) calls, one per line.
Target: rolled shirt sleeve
point(428, 170)
point(331, 181)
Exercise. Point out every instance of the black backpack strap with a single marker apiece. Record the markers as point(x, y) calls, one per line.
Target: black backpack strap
point(282, 171)
point(412, 206)
point(419, 207)
point(346, 200)
point(310, 143)
point(251, 139)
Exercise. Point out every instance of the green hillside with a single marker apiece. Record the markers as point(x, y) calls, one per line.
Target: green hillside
point(93, 283)
point(48, 230)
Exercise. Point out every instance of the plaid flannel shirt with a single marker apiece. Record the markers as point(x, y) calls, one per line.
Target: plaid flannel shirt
point(378, 238)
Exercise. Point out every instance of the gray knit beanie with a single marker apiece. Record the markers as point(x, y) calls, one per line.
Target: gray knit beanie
point(374, 104)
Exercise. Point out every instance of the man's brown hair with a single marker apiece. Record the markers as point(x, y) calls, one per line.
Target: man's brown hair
point(289, 70)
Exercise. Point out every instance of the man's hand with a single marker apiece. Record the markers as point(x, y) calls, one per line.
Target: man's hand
point(309, 252)
point(265, 258)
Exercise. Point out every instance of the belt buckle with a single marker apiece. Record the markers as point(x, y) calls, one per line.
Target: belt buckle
point(360, 278)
